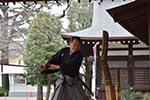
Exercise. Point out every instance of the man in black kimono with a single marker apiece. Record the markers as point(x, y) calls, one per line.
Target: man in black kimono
point(68, 61)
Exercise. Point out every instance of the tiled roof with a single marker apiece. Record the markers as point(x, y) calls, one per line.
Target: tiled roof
point(102, 21)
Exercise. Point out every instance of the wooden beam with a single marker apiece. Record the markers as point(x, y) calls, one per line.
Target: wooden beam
point(110, 90)
point(125, 49)
point(131, 14)
point(104, 58)
point(129, 6)
point(24, 1)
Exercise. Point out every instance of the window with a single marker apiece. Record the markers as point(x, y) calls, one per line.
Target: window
point(19, 79)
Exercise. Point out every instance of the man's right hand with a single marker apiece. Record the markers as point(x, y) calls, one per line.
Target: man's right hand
point(46, 65)
point(54, 67)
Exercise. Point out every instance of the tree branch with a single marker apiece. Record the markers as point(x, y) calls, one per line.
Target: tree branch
point(64, 11)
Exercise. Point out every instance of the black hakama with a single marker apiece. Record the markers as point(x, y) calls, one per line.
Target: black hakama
point(69, 86)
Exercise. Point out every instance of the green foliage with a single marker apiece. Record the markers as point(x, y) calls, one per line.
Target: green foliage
point(3, 92)
point(80, 15)
point(130, 95)
point(146, 96)
point(43, 40)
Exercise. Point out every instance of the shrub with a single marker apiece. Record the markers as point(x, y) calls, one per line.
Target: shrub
point(130, 95)
point(3, 92)
point(146, 96)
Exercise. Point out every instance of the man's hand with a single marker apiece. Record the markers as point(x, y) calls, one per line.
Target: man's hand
point(46, 65)
point(53, 67)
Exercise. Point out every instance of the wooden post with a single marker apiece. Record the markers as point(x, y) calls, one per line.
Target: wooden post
point(130, 66)
point(109, 89)
point(98, 72)
point(148, 8)
point(117, 87)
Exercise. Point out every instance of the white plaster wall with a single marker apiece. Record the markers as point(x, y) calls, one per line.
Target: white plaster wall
point(12, 69)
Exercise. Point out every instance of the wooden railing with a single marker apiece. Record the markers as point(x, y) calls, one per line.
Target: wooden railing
point(141, 78)
point(141, 81)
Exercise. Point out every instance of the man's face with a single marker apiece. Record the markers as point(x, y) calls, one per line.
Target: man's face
point(74, 45)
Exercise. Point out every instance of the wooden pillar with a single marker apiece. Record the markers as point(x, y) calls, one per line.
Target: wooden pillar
point(148, 7)
point(117, 87)
point(109, 89)
point(149, 22)
point(98, 72)
point(130, 66)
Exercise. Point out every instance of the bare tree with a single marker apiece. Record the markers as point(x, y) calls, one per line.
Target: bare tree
point(14, 22)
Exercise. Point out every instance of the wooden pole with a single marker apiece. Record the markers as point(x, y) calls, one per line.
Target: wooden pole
point(117, 87)
point(109, 89)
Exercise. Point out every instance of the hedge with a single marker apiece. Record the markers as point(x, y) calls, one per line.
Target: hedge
point(3, 92)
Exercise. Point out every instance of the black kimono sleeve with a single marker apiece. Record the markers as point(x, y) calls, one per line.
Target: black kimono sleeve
point(54, 60)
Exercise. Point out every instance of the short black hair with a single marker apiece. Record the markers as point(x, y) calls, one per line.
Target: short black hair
point(75, 37)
